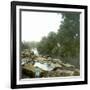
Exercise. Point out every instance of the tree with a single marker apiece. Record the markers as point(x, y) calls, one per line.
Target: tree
point(24, 45)
point(41, 47)
point(65, 44)
point(69, 37)
point(47, 44)
point(28, 45)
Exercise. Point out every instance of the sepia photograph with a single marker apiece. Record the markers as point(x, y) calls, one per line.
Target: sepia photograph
point(50, 44)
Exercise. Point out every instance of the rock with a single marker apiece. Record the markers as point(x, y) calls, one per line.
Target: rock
point(43, 74)
point(68, 66)
point(59, 73)
point(28, 70)
point(76, 72)
point(48, 66)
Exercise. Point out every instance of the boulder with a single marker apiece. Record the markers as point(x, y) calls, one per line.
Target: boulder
point(76, 72)
point(28, 70)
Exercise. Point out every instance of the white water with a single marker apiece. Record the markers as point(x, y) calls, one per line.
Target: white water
point(43, 66)
point(35, 51)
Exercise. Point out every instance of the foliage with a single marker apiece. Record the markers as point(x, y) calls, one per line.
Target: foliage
point(47, 44)
point(28, 45)
point(65, 44)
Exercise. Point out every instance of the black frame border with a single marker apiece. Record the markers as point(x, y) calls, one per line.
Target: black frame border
point(13, 44)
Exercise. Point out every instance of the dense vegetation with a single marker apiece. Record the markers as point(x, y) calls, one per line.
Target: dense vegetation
point(65, 44)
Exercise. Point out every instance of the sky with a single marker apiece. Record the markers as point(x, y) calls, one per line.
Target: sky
point(35, 25)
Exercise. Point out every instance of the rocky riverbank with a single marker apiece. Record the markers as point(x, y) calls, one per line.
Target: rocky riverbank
point(44, 66)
